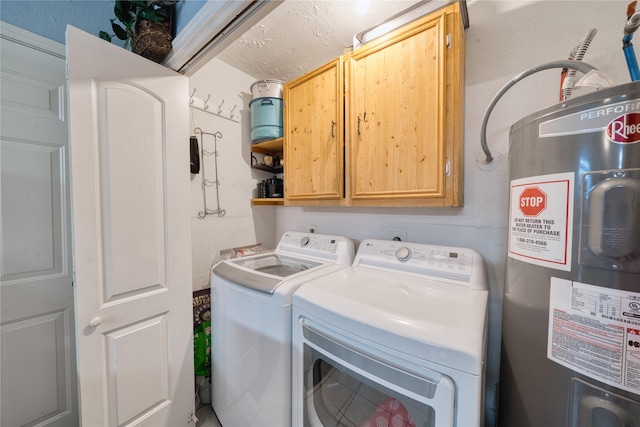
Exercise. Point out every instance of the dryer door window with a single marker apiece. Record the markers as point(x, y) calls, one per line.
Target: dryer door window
point(345, 388)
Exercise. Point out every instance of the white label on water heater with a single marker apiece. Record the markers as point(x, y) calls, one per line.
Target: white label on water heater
point(540, 220)
point(595, 331)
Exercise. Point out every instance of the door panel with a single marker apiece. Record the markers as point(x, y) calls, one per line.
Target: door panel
point(37, 334)
point(131, 191)
point(149, 388)
point(35, 347)
point(314, 142)
point(131, 199)
point(32, 221)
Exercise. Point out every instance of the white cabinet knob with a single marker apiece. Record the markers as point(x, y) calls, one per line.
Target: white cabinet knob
point(96, 321)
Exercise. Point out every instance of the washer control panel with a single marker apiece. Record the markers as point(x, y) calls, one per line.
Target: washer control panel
point(337, 249)
point(452, 264)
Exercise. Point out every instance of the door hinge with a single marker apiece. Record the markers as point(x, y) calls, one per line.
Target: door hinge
point(191, 418)
point(447, 168)
point(448, 41)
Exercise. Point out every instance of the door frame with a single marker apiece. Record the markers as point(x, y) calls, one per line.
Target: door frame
point(31, 40)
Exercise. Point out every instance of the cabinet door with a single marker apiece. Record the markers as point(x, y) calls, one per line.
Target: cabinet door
point(403, 134)
point(313, 137)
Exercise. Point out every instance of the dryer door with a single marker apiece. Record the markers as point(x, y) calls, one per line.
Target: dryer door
point(346, 386)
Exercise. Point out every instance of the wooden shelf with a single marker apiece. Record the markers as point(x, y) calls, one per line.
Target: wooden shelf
point(270, 146)
point(268, 168)
point(267, 201)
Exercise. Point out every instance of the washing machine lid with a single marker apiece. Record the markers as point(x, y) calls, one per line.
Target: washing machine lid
point(423, 318)
point(297, 254)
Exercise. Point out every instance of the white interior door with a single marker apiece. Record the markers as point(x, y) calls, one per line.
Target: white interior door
point(37, 357)
point(132, 248)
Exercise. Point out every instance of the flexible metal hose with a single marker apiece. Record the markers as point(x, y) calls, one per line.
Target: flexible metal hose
point(577, 55)
point(583, 67)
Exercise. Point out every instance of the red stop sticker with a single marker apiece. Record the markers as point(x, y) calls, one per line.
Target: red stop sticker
point(532, 201)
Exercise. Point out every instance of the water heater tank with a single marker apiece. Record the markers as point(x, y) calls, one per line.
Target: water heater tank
point(571, 317)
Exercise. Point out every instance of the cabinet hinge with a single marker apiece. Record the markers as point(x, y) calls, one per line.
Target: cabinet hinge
point(448, 41)
point(447, 168)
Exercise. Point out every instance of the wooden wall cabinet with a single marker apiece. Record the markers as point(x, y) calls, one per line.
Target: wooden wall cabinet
point(405, 115)
point(314, 137)
point(403, 121)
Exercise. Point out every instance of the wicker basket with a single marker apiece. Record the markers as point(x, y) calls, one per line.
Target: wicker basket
point(152, 39)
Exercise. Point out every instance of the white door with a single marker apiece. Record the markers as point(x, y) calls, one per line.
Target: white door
point(132, 250)
point(37, 357)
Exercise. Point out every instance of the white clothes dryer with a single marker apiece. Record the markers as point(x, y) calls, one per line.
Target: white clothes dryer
point(251, 325)
point(399, 338)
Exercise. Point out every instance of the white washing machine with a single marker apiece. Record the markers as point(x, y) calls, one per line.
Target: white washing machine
point(399, 338)
point(251, 325)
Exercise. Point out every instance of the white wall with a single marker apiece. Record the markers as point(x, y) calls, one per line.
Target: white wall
point(242, 224)
point(504, 38)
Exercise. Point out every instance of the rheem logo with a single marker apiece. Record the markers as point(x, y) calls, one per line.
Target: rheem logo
point(625, 129)
point(532, 201)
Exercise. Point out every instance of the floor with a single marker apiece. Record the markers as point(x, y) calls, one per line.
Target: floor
point(206, 416)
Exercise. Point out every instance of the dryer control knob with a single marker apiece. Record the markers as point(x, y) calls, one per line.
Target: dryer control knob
point(403, 254)
point(304, 241)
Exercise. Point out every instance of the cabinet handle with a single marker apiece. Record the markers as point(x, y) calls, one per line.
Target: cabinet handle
point(333, 133)
point(365, 120)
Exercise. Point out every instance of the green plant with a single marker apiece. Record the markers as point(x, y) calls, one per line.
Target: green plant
point(128, 13)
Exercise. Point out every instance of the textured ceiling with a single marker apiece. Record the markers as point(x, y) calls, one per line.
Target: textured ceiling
point(301, 35)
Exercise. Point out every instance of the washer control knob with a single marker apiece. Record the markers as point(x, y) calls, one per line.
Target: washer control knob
point(403, 254)
point(304, 241)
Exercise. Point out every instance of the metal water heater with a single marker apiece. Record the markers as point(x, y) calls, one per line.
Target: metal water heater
point(571, 317)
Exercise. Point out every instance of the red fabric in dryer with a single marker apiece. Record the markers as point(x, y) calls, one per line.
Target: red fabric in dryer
point(390, 413)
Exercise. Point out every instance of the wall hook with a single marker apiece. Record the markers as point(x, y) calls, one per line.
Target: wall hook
point(203, 105)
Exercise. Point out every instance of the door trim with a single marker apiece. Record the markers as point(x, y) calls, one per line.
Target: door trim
point(34, 41)
point(212, 29)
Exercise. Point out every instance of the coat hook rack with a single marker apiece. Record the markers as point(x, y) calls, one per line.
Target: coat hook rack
point(207, 182)
point(203, 105)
